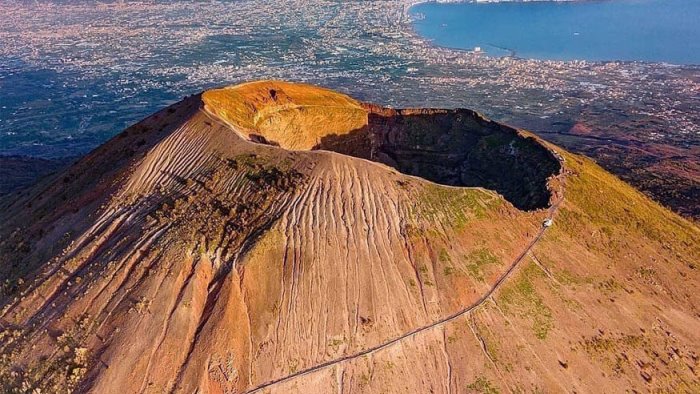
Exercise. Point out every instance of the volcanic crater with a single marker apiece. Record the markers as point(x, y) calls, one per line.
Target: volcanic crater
point(455, 147)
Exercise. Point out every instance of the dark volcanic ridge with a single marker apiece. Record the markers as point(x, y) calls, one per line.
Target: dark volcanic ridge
point(20, 172)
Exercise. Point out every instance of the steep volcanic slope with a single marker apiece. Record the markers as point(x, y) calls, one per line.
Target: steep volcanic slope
point(185, 255)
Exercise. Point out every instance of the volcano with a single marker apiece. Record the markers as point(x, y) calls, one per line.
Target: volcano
point(281, 237)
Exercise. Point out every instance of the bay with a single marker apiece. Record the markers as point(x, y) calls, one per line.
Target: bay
point(628, 30)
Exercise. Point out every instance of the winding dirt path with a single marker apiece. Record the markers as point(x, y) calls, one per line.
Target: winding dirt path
point(550, 216)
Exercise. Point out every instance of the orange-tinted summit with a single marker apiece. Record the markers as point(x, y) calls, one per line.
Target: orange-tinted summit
point(293, 116)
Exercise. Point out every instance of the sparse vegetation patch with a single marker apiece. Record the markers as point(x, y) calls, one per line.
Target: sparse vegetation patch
point(521, 297)
point(482, 386)
point(478, 261)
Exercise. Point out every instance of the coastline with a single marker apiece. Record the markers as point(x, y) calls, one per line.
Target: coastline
point(414, 34)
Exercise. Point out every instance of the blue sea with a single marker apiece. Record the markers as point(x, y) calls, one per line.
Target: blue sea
point(628, 30)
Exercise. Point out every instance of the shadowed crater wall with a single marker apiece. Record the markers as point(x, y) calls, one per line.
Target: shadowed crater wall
point(454, 147)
